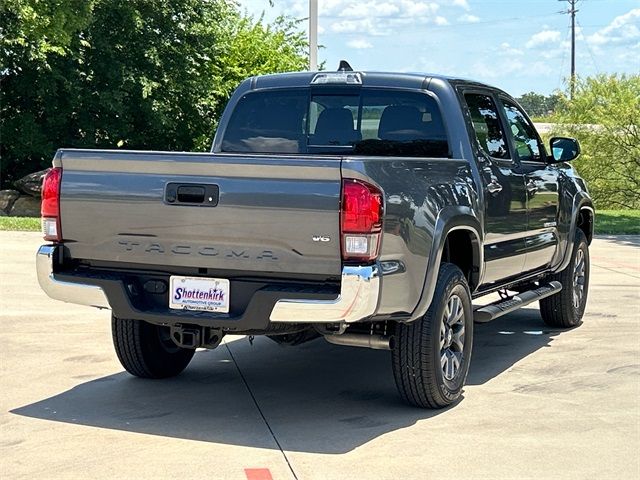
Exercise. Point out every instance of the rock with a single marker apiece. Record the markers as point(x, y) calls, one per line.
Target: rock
point(32, 183)
point(7, 199)
point(26, 207)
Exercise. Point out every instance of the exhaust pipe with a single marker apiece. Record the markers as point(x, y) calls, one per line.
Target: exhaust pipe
point(377, 342)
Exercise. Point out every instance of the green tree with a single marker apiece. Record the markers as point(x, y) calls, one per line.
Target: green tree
point(604, 116)
point(140, 74)
point(538, 105)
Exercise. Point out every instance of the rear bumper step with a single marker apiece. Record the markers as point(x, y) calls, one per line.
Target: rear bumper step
point(358, 299)
point(79, 293)
point(502, 307)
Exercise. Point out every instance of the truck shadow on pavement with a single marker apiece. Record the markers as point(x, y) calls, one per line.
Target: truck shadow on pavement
point(317, 397)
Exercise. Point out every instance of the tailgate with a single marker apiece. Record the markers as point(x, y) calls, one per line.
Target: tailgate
point(271, 214)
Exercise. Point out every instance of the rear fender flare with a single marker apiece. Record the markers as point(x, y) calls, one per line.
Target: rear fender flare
point(450, 219)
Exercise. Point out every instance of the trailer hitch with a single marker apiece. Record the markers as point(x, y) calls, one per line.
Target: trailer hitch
point(193, 336)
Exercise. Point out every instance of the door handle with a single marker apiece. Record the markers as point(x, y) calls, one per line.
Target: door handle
point(189, 194)
point(494, 187)
point(531, 187)
point(202, 195)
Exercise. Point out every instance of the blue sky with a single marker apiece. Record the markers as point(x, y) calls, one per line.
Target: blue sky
point(518, 45)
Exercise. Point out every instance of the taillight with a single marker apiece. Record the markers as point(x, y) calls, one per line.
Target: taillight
point(50, 207)
point(360, 220)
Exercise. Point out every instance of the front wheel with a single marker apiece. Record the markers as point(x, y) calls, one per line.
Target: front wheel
point(431, 355)
point(566, 308)
point(146, 350)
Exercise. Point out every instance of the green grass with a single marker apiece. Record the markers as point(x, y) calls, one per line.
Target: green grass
point(611, 222)
point(618, 222)
point(23, 224)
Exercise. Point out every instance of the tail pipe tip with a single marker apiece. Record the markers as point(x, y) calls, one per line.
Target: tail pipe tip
point(376, 342)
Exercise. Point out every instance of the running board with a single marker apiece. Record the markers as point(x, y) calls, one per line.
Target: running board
point(494, 310)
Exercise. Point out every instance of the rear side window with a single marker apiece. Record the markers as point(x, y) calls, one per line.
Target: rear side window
point(268, 122)
point(486, 123)
point(366, 122)
point(401, 124)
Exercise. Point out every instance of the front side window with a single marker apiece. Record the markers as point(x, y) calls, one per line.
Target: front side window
point(367, 122)
point(486, 123)
point(523, 133)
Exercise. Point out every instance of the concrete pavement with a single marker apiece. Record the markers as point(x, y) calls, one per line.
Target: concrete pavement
point(540, 403)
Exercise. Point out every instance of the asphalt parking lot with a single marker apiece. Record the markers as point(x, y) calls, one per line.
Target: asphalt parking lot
point(539, 403)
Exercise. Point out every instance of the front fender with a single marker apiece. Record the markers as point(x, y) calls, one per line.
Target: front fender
point(581, 200)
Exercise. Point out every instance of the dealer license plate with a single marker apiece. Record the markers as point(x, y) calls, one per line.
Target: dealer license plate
point(195, 293)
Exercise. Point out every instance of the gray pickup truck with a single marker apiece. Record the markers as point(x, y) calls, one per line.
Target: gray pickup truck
point(367, 208)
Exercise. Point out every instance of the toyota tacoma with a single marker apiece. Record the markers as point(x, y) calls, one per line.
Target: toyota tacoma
point(370, 209)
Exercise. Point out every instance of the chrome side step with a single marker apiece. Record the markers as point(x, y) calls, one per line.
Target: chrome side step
point(502, 307)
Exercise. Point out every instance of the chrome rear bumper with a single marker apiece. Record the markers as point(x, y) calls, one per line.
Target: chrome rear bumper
point(358, 298)
point(79, 293)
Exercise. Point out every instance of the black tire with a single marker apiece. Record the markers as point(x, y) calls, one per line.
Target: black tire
point(559, 310)
point(419, 346)
point(146, 350)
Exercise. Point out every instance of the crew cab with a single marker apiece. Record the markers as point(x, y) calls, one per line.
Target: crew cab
point(370, 209)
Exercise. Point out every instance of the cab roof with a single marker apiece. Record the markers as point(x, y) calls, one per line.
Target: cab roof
point(415, 80)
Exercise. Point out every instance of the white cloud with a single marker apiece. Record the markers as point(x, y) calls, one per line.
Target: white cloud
point(623, 29)
point(415, 9)
point(363, 26)
point(378, 17)
point(325, 7)
point(376, 8)
point(507, 49)
point(369, 9)
point(439, 20)
point(359, 43)
point(468, 18)
point(461, 3)
point(543, 38)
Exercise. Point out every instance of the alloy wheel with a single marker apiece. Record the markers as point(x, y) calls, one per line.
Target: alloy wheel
point(579, 277)
point(452, 338)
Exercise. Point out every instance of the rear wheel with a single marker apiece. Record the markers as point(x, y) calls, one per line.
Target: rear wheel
point(146, 350)
point(566, 308)
point(431, 355)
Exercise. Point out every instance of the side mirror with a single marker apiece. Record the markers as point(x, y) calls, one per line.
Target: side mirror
point(564, 149)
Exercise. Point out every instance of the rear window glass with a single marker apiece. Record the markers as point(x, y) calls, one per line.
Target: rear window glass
point(372, 122)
